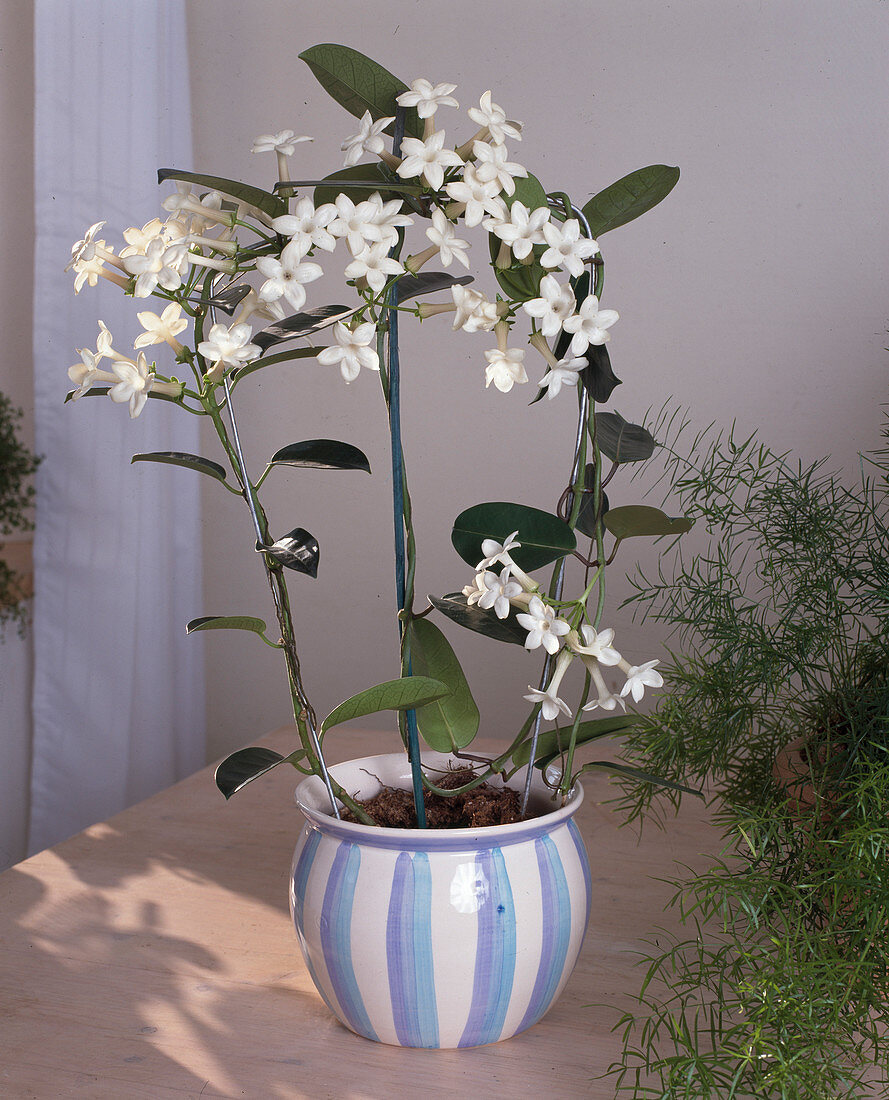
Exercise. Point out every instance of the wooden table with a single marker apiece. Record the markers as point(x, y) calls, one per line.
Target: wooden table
point(153, 956)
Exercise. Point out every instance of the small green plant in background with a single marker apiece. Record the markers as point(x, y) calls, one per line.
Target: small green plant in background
point(777, 985)
point(17, 466)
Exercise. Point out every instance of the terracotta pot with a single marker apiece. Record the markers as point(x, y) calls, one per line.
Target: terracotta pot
point(437, 938)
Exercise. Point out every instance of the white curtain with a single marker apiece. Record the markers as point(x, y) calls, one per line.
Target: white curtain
point(118, 687)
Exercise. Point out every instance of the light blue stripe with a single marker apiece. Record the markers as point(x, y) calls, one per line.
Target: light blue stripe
point(336, 938)
point(427, 1012)
point(409, 953)
point(585, 867)
point(495, 955)
point(300, 883)
point(556, 930)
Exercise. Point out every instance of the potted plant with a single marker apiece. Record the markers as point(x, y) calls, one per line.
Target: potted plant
point(514, 881)
point(779, 703)
point(17, 467)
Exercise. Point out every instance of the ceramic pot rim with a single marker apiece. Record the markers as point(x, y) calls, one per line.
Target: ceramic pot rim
point(311, 798)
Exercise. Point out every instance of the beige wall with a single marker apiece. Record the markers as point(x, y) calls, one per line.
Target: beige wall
point(757, 292)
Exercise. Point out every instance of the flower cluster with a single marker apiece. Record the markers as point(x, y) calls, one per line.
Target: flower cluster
point(548, 627)
point(258, 256)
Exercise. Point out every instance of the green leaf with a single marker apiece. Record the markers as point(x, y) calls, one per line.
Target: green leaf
point(632, 520)
point(244, 192)
point(227, 622)
point(271, 360)
point(301, 324)
point(455, 607)
point(450, 722)
point(180, 458)
point(636, 773)
point(520, 281)
point(630, 197)
point(245, 765)
point(544, 537)
point(375, 176)
point(588, 516)
point(548, 741)
point(322, 454)
point(359, 84)
point(102, 391)
point(621, 441)
point(408, 693)
point(428, 282)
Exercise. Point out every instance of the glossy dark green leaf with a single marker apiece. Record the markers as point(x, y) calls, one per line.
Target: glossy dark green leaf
point(245, 765)
point(455, 607)
point(622, 441)
point(322, 454)
point(630, 197)
point(271, 360)
point(587, 517)
point(407, 693)
point(227, 299)
point(632, 520)
point(360, 182)
point(597, 376)
point(180, 458)
point(301, 324)
point(640, 776)
point(102, 391)
point(227, 622)
point(549, 740)
point(544, 537)
point(359, 84)
point(243, 192)
point(428, 282)
point(520, 281)
point(297, 550)
point(450, 722)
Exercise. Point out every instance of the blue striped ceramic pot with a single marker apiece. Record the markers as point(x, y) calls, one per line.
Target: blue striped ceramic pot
point(437, 938)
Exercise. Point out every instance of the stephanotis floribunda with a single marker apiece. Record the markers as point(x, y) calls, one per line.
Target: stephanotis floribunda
point(234, 267)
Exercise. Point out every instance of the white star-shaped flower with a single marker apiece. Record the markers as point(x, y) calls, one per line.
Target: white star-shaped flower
point(375, 265)
point(229, 346)
point(498, 592)
point(554, 306)
point(307, 226)
point(551, 705)
point(285, 141)
point(85, 249)
point(86, 373)
point(566, 247)
point(480, 196)
point(427, 98)
point(444, 237)
point(159, 330)
point(563, 373)
point(387, 219)
point(639, 677)
point(473, 592)
point(494, 117)
point(598, 645)
point(285, 277)
point(497, 553)
point(133, 385)
point(369, 139)
point(543, 627)
point(505, 368)
point(589, 325)
point(427, 159)
point(491, 164)
point(474, 312)
point(357, 223)
point(522, 231)
point(606, 701)
point(352, 350)
point(159, 265)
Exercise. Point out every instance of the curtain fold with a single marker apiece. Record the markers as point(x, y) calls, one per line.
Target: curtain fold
point(118, 703)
